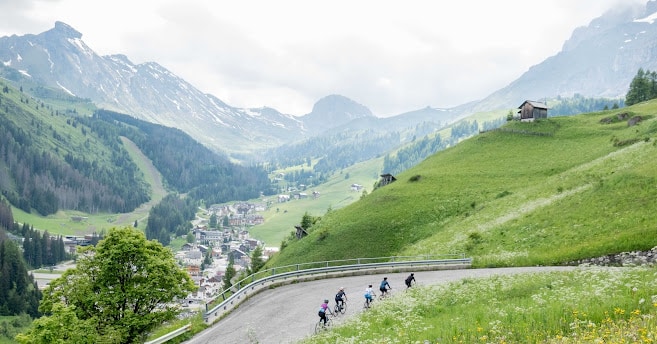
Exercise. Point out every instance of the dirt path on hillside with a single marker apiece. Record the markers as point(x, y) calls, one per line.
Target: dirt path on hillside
point(152, 175)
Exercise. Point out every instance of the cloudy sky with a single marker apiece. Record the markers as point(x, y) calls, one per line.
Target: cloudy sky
point(391, 56)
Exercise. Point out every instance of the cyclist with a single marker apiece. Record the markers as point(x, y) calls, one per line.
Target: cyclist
point(369, 295)
point(322, 311)
point(409, 280)
point(384, 286)
point(340, 298)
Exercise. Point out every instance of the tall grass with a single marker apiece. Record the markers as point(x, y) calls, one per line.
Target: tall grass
point(589, 305)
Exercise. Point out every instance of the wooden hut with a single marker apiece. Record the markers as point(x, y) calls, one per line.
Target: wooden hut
point(531, 110)
point(386, 179)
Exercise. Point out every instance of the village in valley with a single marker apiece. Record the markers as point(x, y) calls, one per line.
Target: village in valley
point(220, 235)
point(218, 239)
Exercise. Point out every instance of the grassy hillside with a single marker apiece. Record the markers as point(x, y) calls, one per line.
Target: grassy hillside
point(336, 193)
point(546, 192)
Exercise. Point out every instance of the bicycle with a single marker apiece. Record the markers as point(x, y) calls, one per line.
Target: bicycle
point(340, 308)
point(320, 326)
point(368, 303)
point(385, 295)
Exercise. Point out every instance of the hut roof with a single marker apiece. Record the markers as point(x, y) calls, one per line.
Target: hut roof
point(535, 104)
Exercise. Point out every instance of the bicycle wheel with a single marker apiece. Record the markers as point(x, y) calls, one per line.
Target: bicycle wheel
point(343, 308)
point(318, 326)
point(336, 309)
point(367, 304)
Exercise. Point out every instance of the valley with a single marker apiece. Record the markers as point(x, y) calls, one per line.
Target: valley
point(229, 191)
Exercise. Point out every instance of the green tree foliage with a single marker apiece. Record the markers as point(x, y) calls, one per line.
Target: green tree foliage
point(41, 249)
point(64, 326)
point(334, 152)
point(256, 259)
point(186, 165)
point(230, 272)
point(414, 153)
point(190, 238)
point(47, 180)
point(171, 216)
point(643, 87)
point(580, 104)
point(118, 292)
point(38, 249)
point(213, 221)
point(18, 291)
point(307, 221)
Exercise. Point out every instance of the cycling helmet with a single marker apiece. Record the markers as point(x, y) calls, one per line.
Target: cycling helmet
point(325, 300)
point(341, 288)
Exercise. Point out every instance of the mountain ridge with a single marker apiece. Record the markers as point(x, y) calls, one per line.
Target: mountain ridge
point(598, 60)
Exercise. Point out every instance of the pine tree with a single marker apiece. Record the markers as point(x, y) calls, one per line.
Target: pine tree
point(230, 272)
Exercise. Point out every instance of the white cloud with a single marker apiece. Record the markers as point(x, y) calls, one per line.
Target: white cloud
point(390, 56)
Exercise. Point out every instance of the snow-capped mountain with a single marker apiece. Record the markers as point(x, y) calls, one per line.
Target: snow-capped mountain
point(599, 60)
point(59, 58)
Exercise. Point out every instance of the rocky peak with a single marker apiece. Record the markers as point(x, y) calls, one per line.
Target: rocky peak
point(65, 30)
point(337, 104)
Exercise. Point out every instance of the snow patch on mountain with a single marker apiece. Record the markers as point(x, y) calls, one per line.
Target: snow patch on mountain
point(648, 19)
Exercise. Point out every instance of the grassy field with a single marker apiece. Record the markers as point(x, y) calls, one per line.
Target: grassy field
point(546, 192)
point(281, 218)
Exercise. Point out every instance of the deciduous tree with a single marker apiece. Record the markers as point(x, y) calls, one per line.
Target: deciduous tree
point(123, 288)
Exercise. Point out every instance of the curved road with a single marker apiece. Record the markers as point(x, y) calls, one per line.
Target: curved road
point(288, 313)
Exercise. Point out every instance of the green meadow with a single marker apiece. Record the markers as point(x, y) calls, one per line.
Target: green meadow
point(530, 193)
point(543, 193)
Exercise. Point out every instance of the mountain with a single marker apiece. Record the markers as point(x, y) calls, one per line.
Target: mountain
point(333, 111)
point(55, 158)
point(598, 60)
point(59, 58)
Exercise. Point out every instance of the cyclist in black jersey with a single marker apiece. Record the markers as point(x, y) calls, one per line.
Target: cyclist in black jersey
point(340, 297)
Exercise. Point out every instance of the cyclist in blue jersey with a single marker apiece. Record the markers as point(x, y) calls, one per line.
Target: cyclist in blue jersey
point(384, 286)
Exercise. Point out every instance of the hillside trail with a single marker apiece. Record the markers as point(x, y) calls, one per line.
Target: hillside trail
point(152, 175)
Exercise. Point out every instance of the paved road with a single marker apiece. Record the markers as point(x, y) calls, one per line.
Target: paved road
point(287, 314)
